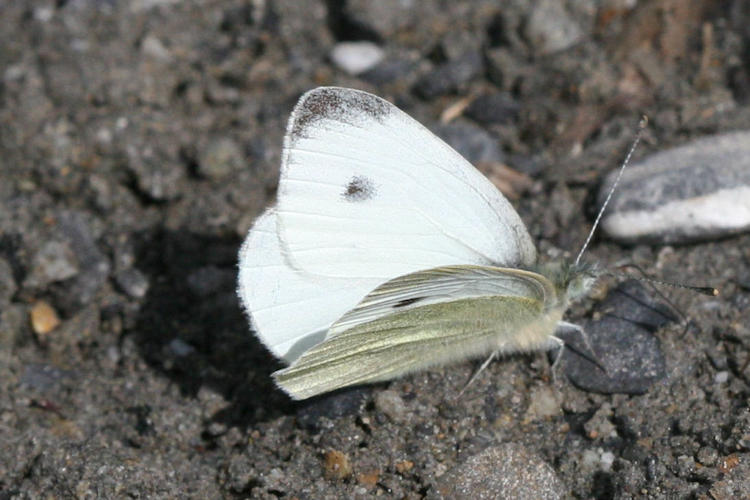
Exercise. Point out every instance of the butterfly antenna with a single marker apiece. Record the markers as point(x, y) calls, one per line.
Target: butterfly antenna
point(641, 127)
point(705, 290)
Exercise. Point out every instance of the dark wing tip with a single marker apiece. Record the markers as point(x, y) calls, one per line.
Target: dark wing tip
point(339, 104)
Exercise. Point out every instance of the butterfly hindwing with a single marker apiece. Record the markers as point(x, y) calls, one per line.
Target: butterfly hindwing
point(465, 311)
point(290, 311)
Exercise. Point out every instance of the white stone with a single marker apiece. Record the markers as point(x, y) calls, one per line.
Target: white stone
point(697, 191)
point(356, 57)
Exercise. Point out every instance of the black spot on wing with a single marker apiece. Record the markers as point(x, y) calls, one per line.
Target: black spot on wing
point(338, 104)
point(360, 188)
point(407, 302)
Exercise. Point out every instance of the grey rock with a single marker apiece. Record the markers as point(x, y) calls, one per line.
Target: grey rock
point(697, 191)
point(54, 261)
point(382, 19)
point(348, 401)
point(448, 76)
point(508, 471)
point(78, 228)
point(473, 142)
point(94, 265)
point(389, 70)
point(550, 28)
point(622, 341)
point(220, 159)
point(494, 108)
point(356, 57)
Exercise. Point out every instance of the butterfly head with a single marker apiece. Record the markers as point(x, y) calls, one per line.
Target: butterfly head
point(572, 281)
point(579, 279)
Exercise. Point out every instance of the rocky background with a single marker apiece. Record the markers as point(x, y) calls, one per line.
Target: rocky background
point(138, 141)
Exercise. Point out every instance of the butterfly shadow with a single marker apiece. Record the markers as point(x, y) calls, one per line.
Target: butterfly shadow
point(192, 329)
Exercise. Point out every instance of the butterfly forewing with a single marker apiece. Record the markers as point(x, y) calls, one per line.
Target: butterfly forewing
point(366, 191)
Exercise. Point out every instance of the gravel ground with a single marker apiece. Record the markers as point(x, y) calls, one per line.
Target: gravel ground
point(138, 142)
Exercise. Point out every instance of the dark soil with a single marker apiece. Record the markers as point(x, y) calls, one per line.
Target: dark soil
point(138, 142)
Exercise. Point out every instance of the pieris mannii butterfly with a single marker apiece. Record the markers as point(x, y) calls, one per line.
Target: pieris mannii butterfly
point(388, 253)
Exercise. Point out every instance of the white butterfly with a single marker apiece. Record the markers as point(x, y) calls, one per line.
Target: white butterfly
point(387, 253)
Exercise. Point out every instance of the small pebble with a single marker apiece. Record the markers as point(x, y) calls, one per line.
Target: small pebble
point(337, 465)
point(550, 28)
point(494, 108)
point(54, 261)
point(544, 402)
point(368, 479)
point(133, 282)
point(44, 318)
point(390, 403)
point(590, 460)
point(721, 377)
point(154, 47)
point(157, 174)
point(180, 348)
point(622, 341)
point(447, 77)
point(356, 57)
point(707, 456)
point(404, 466)
point(697, 191)
point(505, 471)
point(81, 231)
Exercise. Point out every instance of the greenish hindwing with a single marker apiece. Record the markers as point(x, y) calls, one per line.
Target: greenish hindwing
point(468, 311)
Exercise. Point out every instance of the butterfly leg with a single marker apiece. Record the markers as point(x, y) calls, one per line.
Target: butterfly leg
point(476, 373)
point(564, 325)
point(560, 344)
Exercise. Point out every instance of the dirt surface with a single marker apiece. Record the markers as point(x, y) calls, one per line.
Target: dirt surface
point(138, 142)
